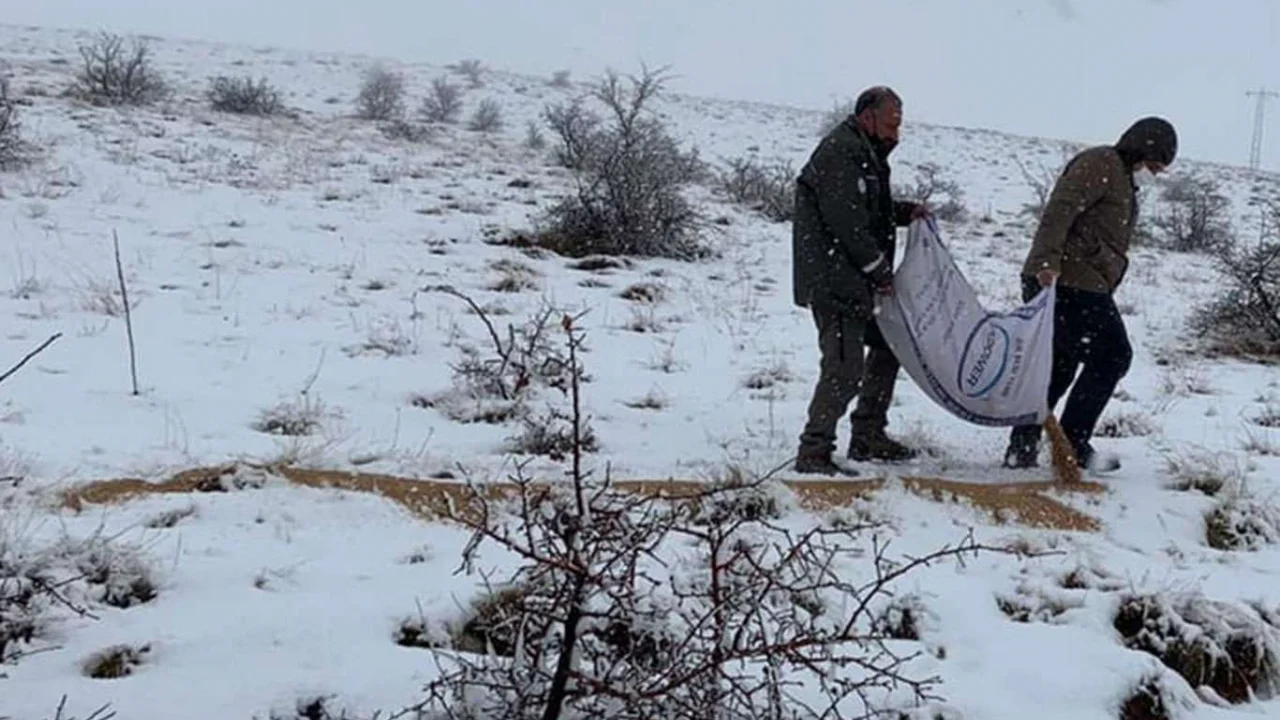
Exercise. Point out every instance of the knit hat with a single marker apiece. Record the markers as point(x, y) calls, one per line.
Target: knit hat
point(1151, 139)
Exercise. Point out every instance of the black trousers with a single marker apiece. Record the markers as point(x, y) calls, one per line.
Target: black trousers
point(1089, 338)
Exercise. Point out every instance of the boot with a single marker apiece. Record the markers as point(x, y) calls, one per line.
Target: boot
point(821, 465)
point(1024, 448)
point(878, 446)
point(1095, 462)
point(1021, 457)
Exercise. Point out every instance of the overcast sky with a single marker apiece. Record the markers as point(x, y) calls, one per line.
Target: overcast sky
point(1078, 69)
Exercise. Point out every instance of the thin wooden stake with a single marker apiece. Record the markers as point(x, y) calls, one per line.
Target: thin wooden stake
point(128, 314)
point(28, 357)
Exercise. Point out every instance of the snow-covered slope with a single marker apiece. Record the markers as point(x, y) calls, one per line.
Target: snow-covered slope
point(290, 263)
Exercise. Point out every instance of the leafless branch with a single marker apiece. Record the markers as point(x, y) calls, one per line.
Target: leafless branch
point(710, 605)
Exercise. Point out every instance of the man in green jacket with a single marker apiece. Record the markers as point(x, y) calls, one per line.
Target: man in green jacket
point(843, 241)
point(1082, 244)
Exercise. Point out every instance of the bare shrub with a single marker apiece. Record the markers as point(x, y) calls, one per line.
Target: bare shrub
point(630, 175)
point(560, 79)
point(495, 384)
point(12, 148)
point(1241, 522)
point(473, 70)
point(904, 618)
point(652, 400)
point(1126, 424)
point(840, 111)
point(551, 435)
point(533, 137)
point(313, 707)
point(514, 277)
point(115, 662)
point(1194, 216)
point(1269, 417)
point(1227, 647)
point(293, 418)
point(443, 104)
point(766, 189)
point(417, 632)
point(1040, 180)
point(43, 583)
point(487, 117)
point(945, 196)
point(170, 518)
point(381, 95)
point(643, 292)
point(1243, 319)
point(387, 337)
point(629, 605)
point(769, 376)
point(1146, 701)
point(410, 132)
point(110, 74)
point(1037, 602)
point(243, 96)
point(1203, 472)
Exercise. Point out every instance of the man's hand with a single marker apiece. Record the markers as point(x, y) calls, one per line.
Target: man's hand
point(921, 210)
point(881, 278)
point(1047, 277)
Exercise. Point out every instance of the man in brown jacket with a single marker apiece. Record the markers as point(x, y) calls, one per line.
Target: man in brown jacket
point(1082, 244)
point(843, 242)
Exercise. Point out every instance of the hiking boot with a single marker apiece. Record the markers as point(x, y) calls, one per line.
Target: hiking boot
point(1021, 458)
point(1095, 462)
point(821, 465)
point(879, 447)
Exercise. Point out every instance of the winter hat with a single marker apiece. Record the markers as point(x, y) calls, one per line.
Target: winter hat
point(1151, 139)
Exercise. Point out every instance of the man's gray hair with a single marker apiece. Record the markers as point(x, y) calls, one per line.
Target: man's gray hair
point(874, 98)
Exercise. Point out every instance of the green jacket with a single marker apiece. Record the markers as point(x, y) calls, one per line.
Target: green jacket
point(845, 221)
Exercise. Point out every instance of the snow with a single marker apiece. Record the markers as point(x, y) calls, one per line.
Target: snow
point(267, 259)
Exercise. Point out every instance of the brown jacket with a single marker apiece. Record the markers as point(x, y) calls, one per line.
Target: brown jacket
point(1087, 223)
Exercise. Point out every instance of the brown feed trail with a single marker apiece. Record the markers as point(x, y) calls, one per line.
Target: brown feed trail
point(1024, 503)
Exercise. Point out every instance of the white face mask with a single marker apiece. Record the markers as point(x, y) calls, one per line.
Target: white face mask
point(1143, 177)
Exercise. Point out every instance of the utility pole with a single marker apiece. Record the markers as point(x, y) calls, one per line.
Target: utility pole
point(1259, 120)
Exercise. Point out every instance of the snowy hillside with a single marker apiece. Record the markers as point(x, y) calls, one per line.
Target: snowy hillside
point(285, 278)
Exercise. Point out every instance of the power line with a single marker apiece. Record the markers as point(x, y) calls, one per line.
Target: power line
point(1259, 122)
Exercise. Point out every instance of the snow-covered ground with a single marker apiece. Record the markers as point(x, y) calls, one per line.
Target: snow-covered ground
point(292, 263)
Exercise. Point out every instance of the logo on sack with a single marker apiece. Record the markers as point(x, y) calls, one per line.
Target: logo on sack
point(985, 359)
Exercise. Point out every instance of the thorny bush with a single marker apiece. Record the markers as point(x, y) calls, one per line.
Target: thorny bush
point(699, 604)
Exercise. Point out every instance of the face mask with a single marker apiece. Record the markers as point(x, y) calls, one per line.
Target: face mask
point(1143, 177)
point(884, 146)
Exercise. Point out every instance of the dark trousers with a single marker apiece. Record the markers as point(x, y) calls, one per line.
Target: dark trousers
point(1089, 337)
point(843, 371)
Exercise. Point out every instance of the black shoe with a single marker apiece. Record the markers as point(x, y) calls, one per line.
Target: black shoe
point(1021, 458)
point(879, 447)
point(821, 465)
point(1095, 462)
